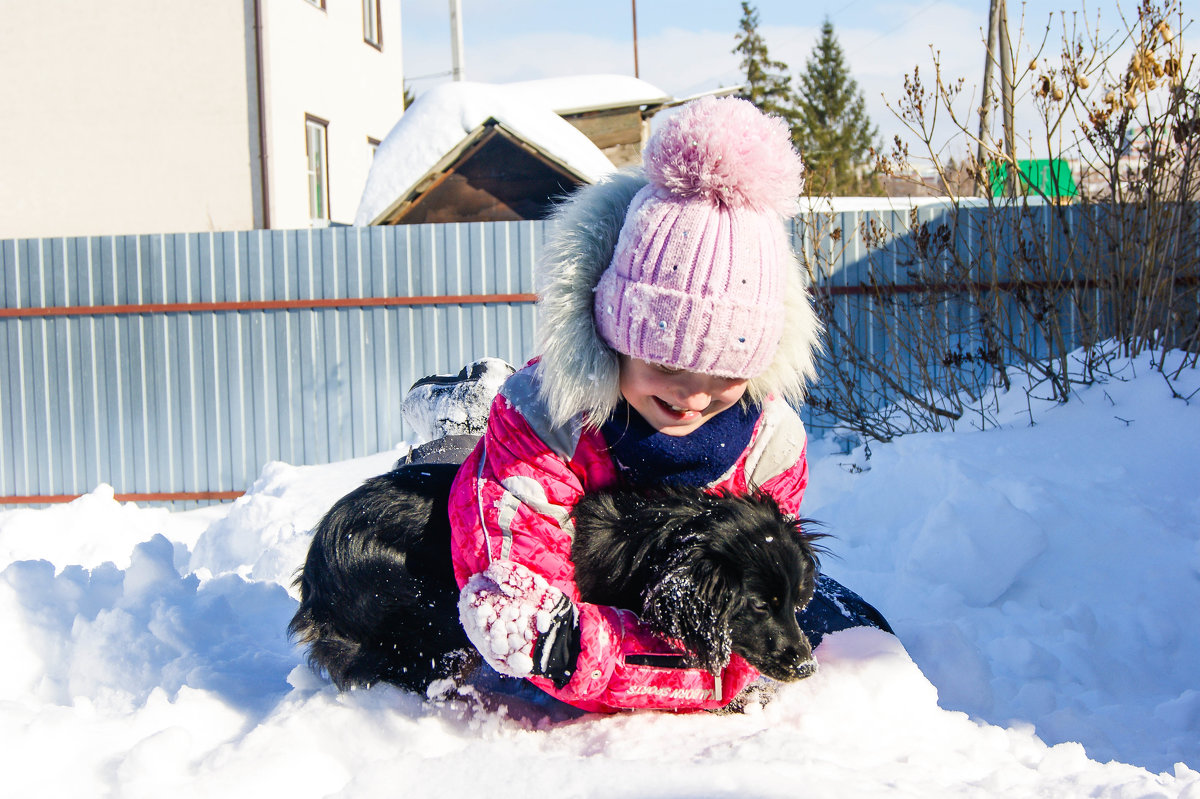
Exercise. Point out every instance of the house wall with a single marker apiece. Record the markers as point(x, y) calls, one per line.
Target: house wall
point(122, 117)
point(316, 62)
point(620, 133)
point(141, 116)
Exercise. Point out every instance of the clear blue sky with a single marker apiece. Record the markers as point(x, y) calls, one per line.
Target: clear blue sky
point(685, 47)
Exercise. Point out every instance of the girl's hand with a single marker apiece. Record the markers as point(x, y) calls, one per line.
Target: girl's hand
point(520, 624)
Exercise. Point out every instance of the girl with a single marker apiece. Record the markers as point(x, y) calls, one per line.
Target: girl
point(677, 336)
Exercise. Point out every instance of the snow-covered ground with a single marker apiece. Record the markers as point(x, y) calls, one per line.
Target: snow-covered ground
point(1044, 582)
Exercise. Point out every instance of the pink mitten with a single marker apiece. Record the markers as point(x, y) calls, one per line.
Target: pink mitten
point(503, 610)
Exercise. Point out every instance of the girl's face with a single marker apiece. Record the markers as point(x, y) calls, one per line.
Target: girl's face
point(675, 402)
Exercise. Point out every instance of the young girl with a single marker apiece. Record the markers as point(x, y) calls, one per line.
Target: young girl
point(677, 336)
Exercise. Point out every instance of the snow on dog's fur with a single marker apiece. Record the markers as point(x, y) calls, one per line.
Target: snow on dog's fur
point(719, 573)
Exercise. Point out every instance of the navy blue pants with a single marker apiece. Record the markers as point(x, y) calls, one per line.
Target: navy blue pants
point(835, 607)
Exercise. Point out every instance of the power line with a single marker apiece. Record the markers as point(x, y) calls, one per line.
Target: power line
point(903, 23)
point(430, 75)
point(841, 11)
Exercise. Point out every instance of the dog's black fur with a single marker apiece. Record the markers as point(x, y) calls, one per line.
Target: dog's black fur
point(378, 601)
point(719, 573)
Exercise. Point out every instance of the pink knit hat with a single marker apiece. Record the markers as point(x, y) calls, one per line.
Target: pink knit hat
point(696, 280)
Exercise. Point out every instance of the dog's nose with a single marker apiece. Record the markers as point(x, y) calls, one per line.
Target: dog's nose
point(793, 671)
point(795, 653)
point(806, 669)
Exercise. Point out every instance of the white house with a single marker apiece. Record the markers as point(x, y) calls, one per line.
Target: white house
point(143, 116)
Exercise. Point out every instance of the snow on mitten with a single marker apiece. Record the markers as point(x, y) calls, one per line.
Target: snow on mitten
point(505, 609)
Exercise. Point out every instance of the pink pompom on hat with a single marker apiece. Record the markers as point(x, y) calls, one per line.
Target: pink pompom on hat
point(696, 281)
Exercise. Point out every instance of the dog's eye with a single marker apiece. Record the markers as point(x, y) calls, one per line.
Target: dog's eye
point(758, 606)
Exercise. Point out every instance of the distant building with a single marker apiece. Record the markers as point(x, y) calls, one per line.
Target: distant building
point(1157, 153)
point(144, 116)
point(955, 180)
point(613, 111)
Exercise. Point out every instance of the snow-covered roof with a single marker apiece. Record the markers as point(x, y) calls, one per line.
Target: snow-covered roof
point(579, 93)
point(443, 118)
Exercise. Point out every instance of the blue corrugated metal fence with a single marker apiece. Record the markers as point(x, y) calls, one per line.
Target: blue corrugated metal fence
point(174, 367)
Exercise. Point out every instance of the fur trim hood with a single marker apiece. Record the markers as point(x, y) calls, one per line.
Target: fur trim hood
point(579, 372)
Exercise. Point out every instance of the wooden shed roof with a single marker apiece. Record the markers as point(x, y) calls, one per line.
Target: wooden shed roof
point(452, 121)
point(493, 175)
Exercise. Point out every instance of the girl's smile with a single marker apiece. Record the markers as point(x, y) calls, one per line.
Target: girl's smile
point(675, 402)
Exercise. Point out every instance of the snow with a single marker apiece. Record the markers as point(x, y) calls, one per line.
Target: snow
point(1043, 581)
point(440, 119)
point(508, 603)
point(459, 408)
point(585, 92)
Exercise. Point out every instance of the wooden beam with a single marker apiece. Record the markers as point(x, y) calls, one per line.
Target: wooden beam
point(263, 305)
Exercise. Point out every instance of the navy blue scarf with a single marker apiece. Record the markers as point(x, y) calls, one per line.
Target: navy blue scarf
point(648, 458)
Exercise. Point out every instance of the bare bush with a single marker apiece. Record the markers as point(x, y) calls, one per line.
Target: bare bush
point(963, 293)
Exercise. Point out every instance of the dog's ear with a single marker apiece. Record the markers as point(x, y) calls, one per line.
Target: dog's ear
point(692, 600)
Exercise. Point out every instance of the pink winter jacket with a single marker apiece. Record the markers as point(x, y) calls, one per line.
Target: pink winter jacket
point(512, 502)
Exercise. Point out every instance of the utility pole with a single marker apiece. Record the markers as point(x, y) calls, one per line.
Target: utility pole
point(982, 181)
point(456, 40)
point(635, 53)
point(997, 40)
point(1006, 101)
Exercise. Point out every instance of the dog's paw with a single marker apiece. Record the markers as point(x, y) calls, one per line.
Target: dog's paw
point(503, 610)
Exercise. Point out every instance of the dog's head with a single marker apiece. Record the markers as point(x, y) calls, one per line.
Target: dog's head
point(733, 580)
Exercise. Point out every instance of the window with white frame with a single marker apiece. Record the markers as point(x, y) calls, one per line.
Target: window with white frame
point(318, 169)
point(372, 24)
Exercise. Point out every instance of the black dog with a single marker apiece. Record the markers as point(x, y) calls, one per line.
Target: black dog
point(718, 572)
point(721, 574)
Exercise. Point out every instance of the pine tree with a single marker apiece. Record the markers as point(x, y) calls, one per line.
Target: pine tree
point(833, 131)
point(767, 83)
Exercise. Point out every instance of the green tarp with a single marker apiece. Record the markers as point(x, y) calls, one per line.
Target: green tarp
point(1049, 176)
